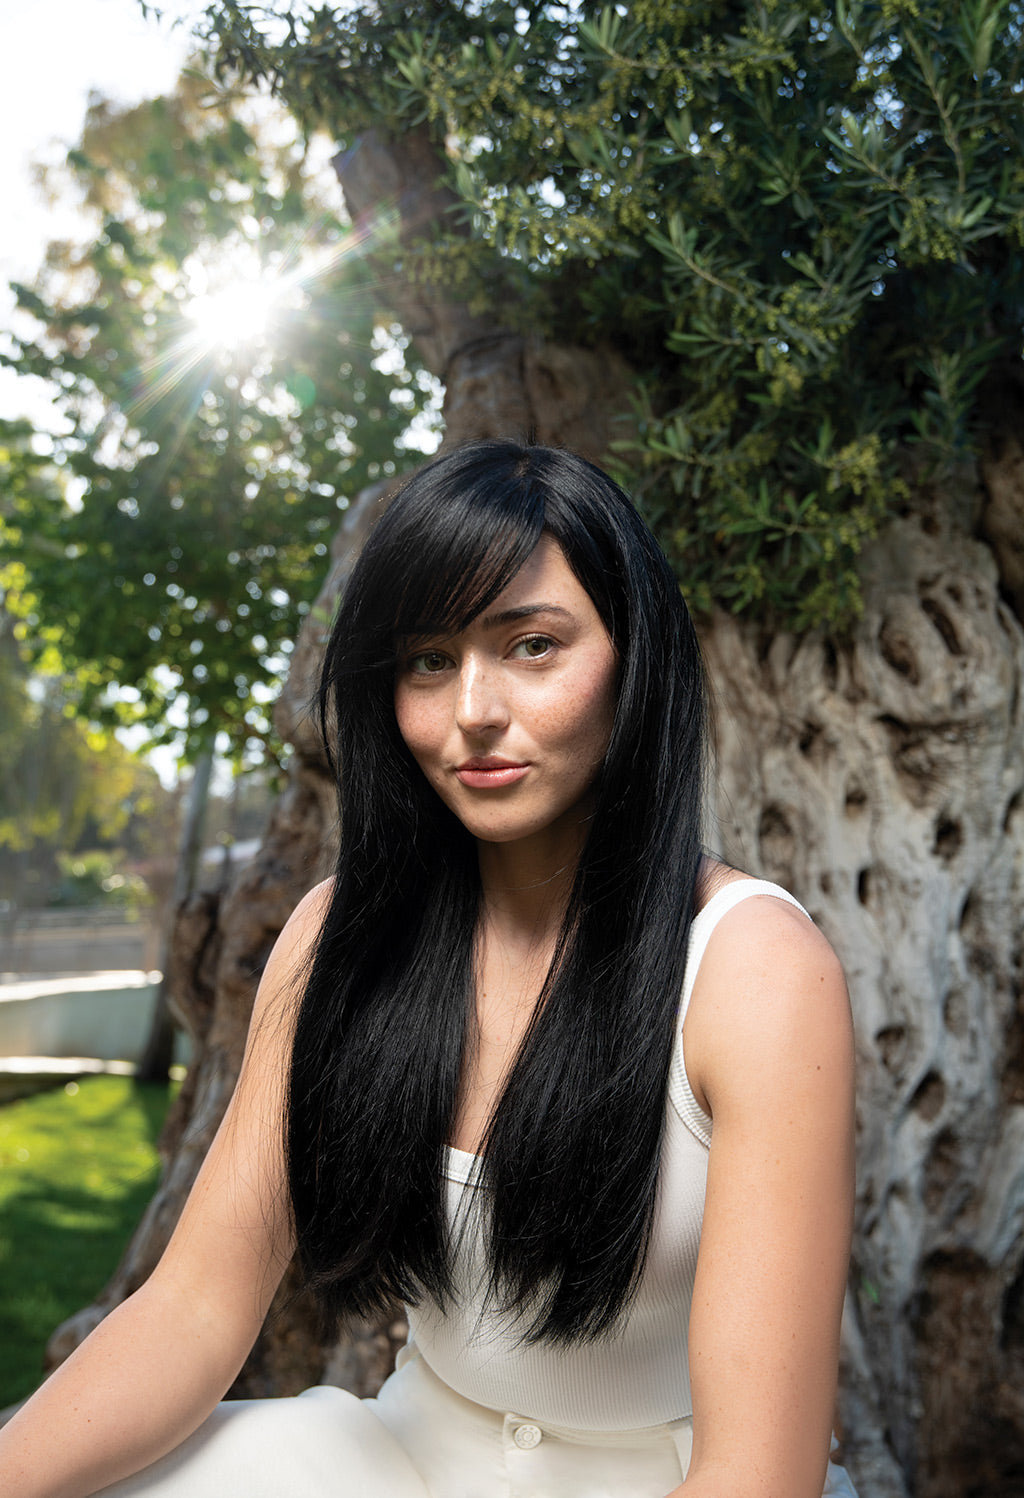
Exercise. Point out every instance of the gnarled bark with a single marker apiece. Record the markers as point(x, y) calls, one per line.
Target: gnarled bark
point(1002, 517)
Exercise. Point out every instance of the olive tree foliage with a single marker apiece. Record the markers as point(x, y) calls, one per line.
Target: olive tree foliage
point(193, 483)
point(802, 225)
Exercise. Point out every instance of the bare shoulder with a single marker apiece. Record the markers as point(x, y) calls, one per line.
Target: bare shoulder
point(770, 999)
point(306, 919)
point(291, 953)
point(765, 929)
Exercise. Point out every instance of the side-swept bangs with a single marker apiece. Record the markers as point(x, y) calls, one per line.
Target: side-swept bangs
point(448, 544)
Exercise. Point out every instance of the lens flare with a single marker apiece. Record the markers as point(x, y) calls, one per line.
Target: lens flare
point(236, 314)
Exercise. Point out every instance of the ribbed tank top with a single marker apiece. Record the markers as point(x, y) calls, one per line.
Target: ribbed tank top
point(639, 1376)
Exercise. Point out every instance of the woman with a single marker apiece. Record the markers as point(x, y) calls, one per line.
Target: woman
point(624, 1270)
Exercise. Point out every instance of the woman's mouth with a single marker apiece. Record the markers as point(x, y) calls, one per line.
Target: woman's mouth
point(490, 772)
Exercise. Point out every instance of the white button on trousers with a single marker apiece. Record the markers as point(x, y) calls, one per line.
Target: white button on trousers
point(527, 1437)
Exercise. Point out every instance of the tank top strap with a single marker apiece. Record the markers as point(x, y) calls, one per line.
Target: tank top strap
point(701, 929)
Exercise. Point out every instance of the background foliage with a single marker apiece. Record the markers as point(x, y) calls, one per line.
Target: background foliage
point(173, 535)
point(803, 225)
point(65, 785)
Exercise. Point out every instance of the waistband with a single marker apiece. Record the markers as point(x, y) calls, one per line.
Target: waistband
point(679, 1432)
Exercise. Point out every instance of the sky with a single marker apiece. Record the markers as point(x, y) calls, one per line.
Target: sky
point(55, 53)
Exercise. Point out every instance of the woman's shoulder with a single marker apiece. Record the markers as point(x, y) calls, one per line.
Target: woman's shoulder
point(292, 950)
point(308, 916)
point(768, 982)
point(739, 914)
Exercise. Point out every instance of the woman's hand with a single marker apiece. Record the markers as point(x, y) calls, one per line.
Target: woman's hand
point(769, 1053)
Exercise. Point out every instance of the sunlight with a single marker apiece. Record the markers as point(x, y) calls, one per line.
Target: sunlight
point(238, 313)
point(235, 301)
point(233, 307)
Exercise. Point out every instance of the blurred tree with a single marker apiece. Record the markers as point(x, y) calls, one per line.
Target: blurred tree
point(64, 783)
point(221, 383)
point(64, 786)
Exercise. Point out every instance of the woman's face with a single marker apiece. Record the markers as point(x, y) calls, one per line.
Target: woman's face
point(510, 719)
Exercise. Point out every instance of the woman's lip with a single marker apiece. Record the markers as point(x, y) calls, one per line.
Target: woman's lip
point(491, 762)
point(482, 774)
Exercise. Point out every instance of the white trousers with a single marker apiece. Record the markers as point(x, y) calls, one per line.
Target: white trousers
point(417, 1439)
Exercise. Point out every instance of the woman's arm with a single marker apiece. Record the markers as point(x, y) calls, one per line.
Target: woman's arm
point(155, 1367)
point(769, 1053)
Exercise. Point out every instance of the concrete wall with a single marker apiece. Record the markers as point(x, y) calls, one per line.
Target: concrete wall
point(106, 1016)
point(65, 943)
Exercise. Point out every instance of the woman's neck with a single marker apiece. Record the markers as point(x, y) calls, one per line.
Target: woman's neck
point(526, 884)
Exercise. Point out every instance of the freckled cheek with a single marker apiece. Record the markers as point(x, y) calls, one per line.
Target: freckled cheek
point(579, 719)
point(422, 726)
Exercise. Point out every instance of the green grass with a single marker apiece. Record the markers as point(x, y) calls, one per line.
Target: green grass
point(77, 1167)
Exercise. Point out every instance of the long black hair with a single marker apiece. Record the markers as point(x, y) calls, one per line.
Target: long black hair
point(571, 1156)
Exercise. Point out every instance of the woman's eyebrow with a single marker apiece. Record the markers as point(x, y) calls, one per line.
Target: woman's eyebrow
point(524, 611)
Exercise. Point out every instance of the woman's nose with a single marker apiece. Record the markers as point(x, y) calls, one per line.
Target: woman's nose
point(480, 704)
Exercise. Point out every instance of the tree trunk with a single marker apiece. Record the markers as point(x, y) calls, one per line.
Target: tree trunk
point(158, 1052)
point(884, 785)
point(883, 782)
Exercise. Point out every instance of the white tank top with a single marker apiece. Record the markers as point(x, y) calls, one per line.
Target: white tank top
point(639, 1376)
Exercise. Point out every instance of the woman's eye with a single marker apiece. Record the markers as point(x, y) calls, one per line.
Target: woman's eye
point(427, 663)
point(534, 648)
